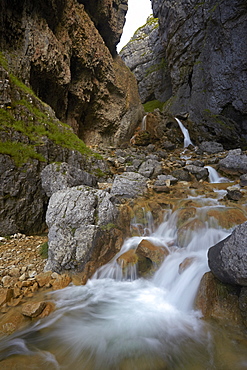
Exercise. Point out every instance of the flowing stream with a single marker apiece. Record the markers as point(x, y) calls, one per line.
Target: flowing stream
point(120, 321)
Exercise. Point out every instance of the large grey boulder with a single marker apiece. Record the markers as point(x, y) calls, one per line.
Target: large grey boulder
point(128, 185)
point(76, 218)
point(235, 163)
point(228, 258)
point(58, 176)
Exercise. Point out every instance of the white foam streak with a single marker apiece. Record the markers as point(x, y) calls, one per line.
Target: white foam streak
point(185, 132)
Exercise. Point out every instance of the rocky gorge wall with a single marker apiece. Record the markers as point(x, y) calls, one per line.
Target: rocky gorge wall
point(70, 62)
point(58, 66)
point(203, 70)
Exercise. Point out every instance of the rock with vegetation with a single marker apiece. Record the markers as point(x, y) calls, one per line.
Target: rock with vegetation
point(228, 258)
point(78, 219)
point(67, 54)
point(205, 63)
point(145, 57)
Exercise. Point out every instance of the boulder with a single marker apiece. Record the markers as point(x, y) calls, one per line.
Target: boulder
point(234, 163)
point(211, 147)
point(77, 218)
point(150, 168)
point(201, 173)
point(128, 185)
point(58, 176)
point(228, 258)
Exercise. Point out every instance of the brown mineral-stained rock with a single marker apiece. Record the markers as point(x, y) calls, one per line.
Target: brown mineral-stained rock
point(154, 253)
point(187, 262)
point(11, 322)
point(61, 281)
point(227, 217)
point(33, 309)
point(218, 301)
point(43, 278)
point(127, 258)
point(5, 295)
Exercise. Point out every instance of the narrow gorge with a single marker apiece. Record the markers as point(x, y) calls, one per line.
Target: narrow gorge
point(123, 218)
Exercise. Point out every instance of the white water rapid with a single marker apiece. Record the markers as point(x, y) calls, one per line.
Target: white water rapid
point(186, 134)
point(118, 321)
point(214, 176)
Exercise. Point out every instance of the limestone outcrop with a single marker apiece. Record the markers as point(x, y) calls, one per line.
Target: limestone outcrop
point(145, 56)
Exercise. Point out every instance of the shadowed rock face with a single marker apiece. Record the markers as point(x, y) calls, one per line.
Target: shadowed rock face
point(109, 18)
point(66, 57)
point(205, 51)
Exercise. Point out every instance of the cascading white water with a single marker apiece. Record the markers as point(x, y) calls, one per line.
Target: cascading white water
point(185, 132)
point(118, 321)
point(144, 123)
point(214, 176)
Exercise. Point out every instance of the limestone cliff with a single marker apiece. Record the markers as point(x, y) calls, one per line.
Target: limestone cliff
point(145, 56)
point(67, 59)
point(205, 47)
point(58, 66)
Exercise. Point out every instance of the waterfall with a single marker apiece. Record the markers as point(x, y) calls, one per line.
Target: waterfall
point(214, 176)
point(119, 321)
point(144, 123)
point(185, 132)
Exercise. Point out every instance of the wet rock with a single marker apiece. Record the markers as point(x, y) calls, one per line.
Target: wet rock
point(127, 258)
point(187, 229)
point(243, 304)
point(243, 180)
point(227, 217)
point(218, 301)
point(6, 295)
point(234, 163)
point(187, 262)
point(233, 193)
point(199, 172)
point(33, 309)
point(62, 281)
point(11, 322)
point(211, 147)
point(128, 185)
point(43, 278)
point(228, 258)
point(58, 176)
point(156, 254)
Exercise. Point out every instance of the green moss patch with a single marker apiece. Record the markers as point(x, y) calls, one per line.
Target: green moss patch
point(30, 117)
point(150, 106)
